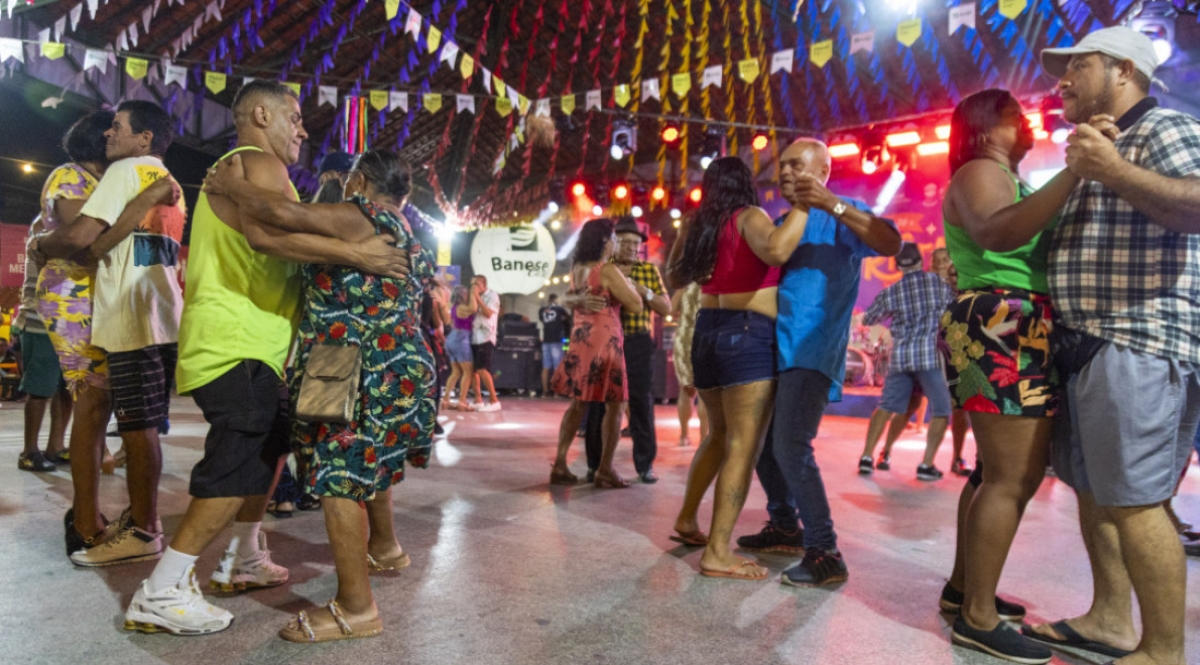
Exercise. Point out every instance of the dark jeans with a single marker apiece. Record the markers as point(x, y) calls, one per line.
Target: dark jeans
point(639, 375)
point(787, 468)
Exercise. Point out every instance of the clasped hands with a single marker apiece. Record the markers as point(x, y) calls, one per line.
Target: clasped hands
point(1091, 154)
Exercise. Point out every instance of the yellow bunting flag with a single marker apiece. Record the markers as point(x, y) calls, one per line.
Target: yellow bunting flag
point(498, 84)
point(443, 252)
point(821, 52)
point(748, 69)
point(53, 50)
point(294, 87)
point(908, 32)
point(379, 99)
point(392, 7)
point(621, 94)
point(503, 106)
point(1010, 9)
point(467, 66)
point(432, 101)
point(681, 84)
point(136, 68)
point(568, 104)
point(214, 81)
point(433, 39)
point(523, 104)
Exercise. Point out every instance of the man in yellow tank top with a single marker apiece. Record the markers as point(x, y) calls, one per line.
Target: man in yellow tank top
point(241, 306)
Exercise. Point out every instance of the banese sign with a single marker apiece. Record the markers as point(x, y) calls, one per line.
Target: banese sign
point(515, 259)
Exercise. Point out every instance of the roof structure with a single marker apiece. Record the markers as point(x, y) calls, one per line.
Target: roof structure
point(473, 77)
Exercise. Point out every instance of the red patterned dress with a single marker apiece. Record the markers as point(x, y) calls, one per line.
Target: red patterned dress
point(594, 367)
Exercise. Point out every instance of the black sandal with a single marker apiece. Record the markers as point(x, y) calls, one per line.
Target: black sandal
point(34, 461)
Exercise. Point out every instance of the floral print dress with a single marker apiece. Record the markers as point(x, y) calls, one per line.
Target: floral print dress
point(394, 418)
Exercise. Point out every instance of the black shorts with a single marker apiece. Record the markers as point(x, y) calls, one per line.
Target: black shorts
point(481, 354)
point(247, 412)
point(141, 382)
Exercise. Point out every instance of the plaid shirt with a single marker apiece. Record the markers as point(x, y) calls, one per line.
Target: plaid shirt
point(1116, 274)
point(647, 275)
point(915, 305)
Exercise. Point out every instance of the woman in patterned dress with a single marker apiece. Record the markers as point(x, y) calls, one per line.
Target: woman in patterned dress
point(594, 367)
point(352, 467)
point(687, 308)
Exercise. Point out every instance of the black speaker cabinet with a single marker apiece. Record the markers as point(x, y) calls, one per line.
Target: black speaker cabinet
point(517, 370)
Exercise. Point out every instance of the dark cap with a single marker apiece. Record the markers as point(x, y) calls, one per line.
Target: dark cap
point(629, 225)
point(909, 256)
point(341, 162)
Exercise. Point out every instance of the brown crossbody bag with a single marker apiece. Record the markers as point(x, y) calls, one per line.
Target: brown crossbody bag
point(329, 386)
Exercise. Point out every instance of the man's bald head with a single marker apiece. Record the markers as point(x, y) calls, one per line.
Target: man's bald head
point(812, 155)
point(259, 93)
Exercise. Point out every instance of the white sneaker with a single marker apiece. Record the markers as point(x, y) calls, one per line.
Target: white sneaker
point(180, 610)
point(488, 407)
point(236, 573)
point(129, 545)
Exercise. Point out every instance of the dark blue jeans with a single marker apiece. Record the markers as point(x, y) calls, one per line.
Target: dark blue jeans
point(787, 468)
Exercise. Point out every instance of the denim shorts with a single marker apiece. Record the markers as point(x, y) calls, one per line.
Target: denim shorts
point(458, 346)
point(552, 355)
point(732, 347)
point(898, 388)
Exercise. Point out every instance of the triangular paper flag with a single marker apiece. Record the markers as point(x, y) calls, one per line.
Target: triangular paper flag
point(908, 32)
point(43, 36)
point(450, 53)
point(379, 99)
point(498, 84)
point(76, 14)
point(326, 94)
point(568, 104)
point(433, 39)
point(53, 50)
point(504, 106)
point(133, 35)
point(466, 103)
point(748, 69)
point(97, 59)
point(212, 11)
point(175, 73)
point(413, 25)
point(398, 101)
point(962, 16)
point(147, 14)
point(821, 52)
point(513, 94)
point(294, 87)
point(391, 8)
point(466, 66)
point(593, 100)
point(215, 82)
point(136, 68)
point(246, 80)
point(432, 102)
point(122, 42)
point(93, 6)
point(650, 89)
point(500, 161)
point(543, 108)
point(712, 76)
point(863, 41)
point(523, 104)
point(782, 60)
point(621, 94)
point(1011, 9)
point(11, 48)
point(60, 26)
point(487, 79)
point(681, 84)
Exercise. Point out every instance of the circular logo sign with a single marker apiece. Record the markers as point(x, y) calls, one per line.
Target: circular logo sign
point(515, 259)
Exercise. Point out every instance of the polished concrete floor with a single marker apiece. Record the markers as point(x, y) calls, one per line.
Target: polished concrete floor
point(507, 570)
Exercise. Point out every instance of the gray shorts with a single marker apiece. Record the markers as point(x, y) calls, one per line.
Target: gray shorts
point(1125, 432)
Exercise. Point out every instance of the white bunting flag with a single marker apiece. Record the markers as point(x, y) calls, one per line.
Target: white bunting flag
point(499, 165)
point(466, 103)
point(782, 60)
point(76, 14)
point(197, 24)
point(650, 89)
point(11, 48)
point(60, 26)
point(154, 12)
point(513, 95)
point(133, 35)
point(398, 101)
point(543, 108)
point(95, 59)
point(147, 14)
point(593, 100)
point(326, 94)
point(176, 73)
point(246, 80)
point(122, 42)
point(863, 41)
point(212, 11)
point(962, 16)
point(44, 36)
point(450, 53)
point(712, 76)
point(487, 80)
point(413, 25)
point(12, 4)
point(93, 6)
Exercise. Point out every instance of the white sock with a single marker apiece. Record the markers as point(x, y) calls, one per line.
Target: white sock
point(170, 569)
point(245, 538)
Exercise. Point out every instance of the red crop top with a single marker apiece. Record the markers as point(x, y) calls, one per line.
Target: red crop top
point(738, 269)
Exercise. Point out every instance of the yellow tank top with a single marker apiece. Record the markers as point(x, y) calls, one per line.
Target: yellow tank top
point(238, 304)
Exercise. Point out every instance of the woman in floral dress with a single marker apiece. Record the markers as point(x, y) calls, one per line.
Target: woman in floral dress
point(353, 466)
point(594, 367)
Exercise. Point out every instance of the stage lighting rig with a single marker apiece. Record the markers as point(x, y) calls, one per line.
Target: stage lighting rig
point(1156, 20)
point(624, 139)
point(714, 146)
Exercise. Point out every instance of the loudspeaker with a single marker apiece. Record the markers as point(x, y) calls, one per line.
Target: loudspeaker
point(517, 370)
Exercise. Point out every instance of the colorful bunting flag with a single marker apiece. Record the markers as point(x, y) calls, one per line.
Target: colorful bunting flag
point(748, 69)
point(326, 94)
point(621, 94)
point(467, 66)
point(432, 102)
point(504, 106)
point(294, 87)
point(391, 8)
point(681, 84)
point(1011, 9)
point(522, 104)
point(136, 68)
point(11, 48)
point(593, 100)
point(908, 32)
point(94, 59)
point(413, 25)
point(543, 108)
point(175, 73)
point(712, 76)
point(398, 101)
point(821, 52)
point(450, 53)
point(782, 60)
point(650, 89)
point(466, 103)
point(568, 104)
point(962, 16)
point(379, 99)
point(52, 50)
point(863, 41)
point(215, 82)
point(433, 39)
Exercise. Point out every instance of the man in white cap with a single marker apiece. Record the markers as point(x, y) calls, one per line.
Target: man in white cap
point(1124, 273)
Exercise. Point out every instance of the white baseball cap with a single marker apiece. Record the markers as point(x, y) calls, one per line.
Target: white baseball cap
point(1119, 42)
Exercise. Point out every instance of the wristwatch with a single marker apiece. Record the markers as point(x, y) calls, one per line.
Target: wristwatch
point(839, 209)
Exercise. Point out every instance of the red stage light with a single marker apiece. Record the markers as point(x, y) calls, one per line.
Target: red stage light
point(670, 134)
point(903, 138)
point(621, 192)
point(843, 150)
point(658, 193)
point(934, 148)
point(1035, 120)
point(942, 132)
point(1041, 134)
point(695, 195)
point(578, 189)
point(760, 141)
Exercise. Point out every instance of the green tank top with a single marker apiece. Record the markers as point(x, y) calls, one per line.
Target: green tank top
point(1021, 268)
point(238, 304)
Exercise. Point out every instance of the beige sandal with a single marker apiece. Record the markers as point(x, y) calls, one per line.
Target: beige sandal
point(300, 629)
point(388, 563)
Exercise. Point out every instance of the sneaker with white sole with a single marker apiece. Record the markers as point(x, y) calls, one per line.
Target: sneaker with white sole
point(490, 407)
point(179, 610)
point(129, 545)
point(236, 573)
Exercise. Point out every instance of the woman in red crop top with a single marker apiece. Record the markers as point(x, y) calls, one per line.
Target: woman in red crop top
point(733, 249)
